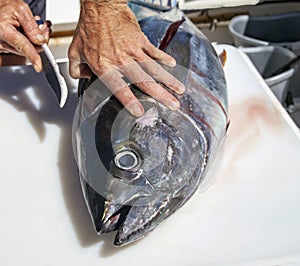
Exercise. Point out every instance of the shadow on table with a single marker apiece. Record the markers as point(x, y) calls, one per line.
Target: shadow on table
point(28, 92)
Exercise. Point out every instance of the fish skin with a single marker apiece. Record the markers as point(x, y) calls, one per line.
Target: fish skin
point(170, 152)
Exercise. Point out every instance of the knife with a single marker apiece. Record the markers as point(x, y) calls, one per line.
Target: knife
point(52, 73)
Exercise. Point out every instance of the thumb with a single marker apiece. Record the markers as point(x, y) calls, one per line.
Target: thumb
point(79, 70)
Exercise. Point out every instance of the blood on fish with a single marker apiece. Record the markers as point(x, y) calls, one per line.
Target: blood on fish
point(173, 28)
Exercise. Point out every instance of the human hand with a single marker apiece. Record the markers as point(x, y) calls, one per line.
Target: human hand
point(109, 42)
point(16, 14)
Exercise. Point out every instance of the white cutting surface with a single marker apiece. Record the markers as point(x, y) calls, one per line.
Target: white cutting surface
point(249, 216)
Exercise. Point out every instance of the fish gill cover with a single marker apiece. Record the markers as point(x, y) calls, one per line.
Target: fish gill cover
point(135, 172)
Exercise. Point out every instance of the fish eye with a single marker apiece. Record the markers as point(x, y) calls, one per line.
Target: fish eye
point(126, 160)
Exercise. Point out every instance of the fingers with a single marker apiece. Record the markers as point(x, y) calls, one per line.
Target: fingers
point(156, 71)
point(147, 84)
point(158, 55)
point(136, 72)
point(18, 15)
point(28, 23)
point(45, 28)
point(114, 81)
point(6, 48)
point(77, 68)
point(25, 47)
point(22, 46)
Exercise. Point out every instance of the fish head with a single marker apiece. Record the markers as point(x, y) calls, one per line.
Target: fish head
point(144, 168)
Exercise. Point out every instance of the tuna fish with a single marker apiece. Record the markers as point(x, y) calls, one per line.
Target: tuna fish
point(136, 172)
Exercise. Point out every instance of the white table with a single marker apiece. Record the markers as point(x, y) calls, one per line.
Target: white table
point(249, 216)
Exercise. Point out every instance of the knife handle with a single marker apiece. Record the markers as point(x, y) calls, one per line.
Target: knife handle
point(40, 21)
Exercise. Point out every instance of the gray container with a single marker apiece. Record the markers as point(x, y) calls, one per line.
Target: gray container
point(279, 30)
point(267, 60)
point(237, 27)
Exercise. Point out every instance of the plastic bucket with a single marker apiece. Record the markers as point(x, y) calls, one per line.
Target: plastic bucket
point(277, 30)
point(269, 59)
point(237, 27)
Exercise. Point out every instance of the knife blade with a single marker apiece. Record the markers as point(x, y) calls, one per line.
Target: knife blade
point(52, 73)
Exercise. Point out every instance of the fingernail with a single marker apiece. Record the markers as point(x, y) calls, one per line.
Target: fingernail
point(172, 63)
point(40, 38)
point(174, 105)
point(37, 67)
point(181, 88)
point(137, 109)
